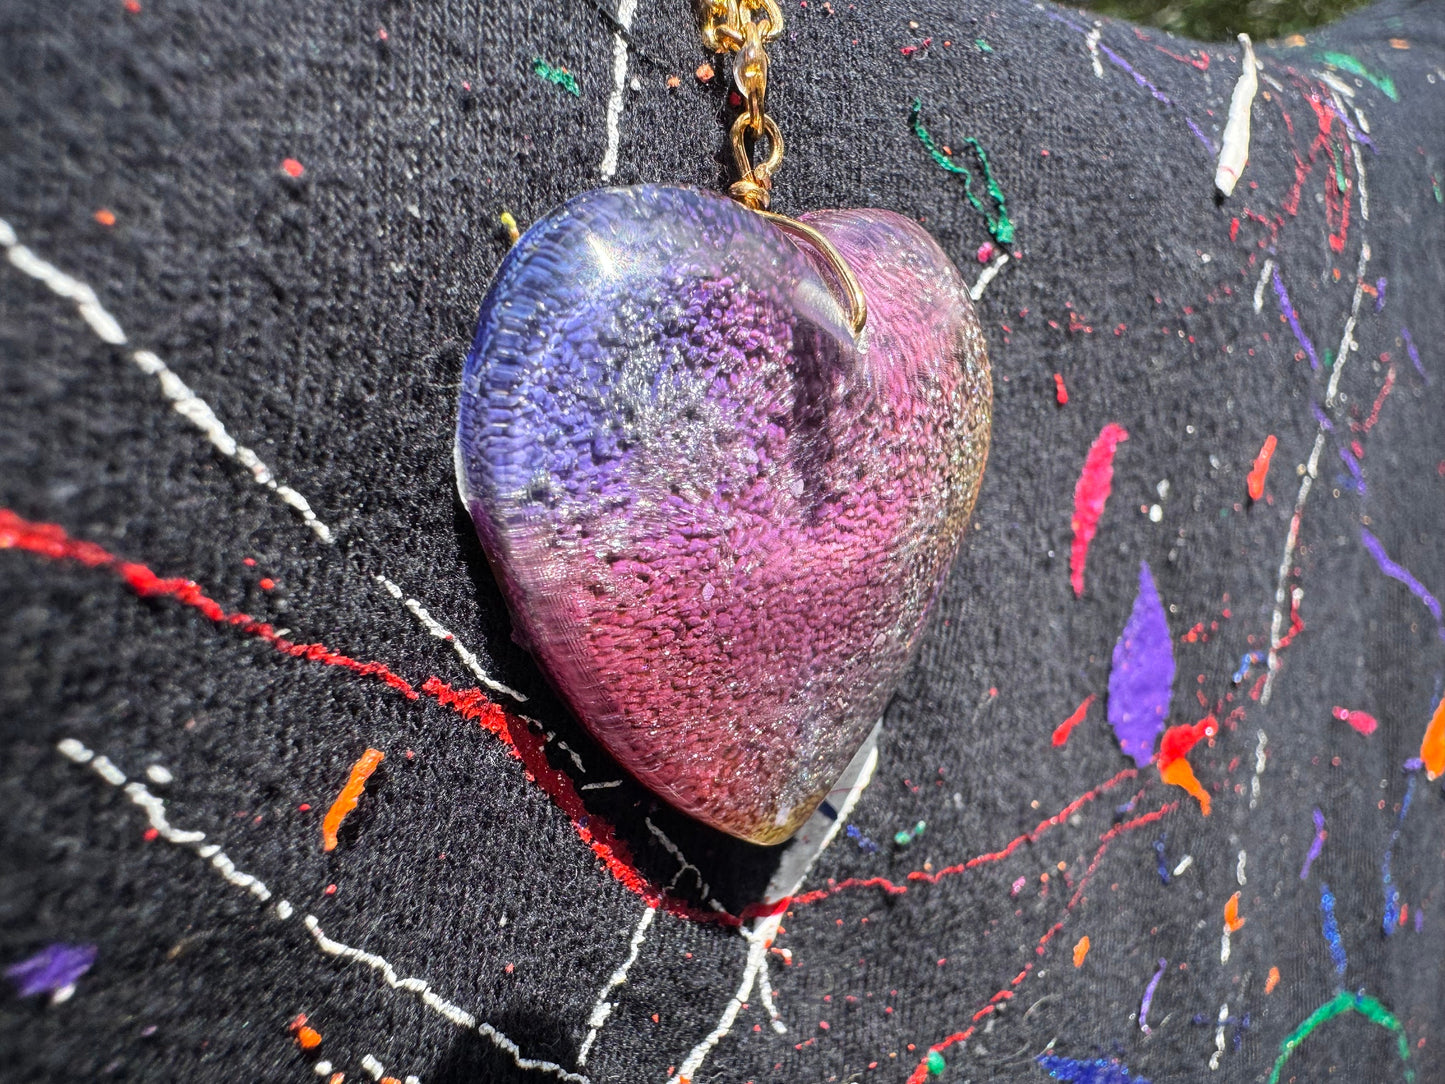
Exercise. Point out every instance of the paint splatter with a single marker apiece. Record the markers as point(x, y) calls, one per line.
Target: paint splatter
point(1142, 678)
point(1432, 745)
point(53, 970)
point(1401, 573)
point(1394, 913)
point(1293, 318)
point(51, 541)
point(349, 796)
point(1061, 393)
point(1344, 1002)
point(866, 845)
point(936, 1064)
point(1271, 980)
point(1098, 1071)
point(1064, 729)
point(998, 223)
point(307, 1037)
point(105, 216)
point(1090, 492)
point(559, 76)
point(1161, 863)
point(1081, 950)
point(1331, 929)
point(1148, 999)
point(1232, 921)
point(1362, 721)
point(1261, 468)
point(907, 835)
point(291, 167)
point(1414, 354)
point(1174, 769)
point(1315, 847)
point(1347, 63)
point(509, 223)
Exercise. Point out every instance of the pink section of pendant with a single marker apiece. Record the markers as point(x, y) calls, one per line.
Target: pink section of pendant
point(718, 520)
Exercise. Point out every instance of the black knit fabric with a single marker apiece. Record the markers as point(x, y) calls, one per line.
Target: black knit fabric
point(324, 318)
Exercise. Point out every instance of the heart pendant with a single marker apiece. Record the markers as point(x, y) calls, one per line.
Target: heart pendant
point(717, 518)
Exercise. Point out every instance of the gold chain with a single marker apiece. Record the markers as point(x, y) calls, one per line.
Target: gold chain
point(745, 27)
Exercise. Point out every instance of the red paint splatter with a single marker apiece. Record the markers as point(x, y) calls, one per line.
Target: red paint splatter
point(1090, 493)
point(132, 6)
point(927, 877)
point(1202, 63)
point(50, 540)
point(1261, 468)
point(1174, 769)
point(1064, 729)
point(1234, 229)
point(1361, 721)
point(1385, 390)
point(267, 583)
point(291, 167)
point(920, 1071)
point(1061, 393)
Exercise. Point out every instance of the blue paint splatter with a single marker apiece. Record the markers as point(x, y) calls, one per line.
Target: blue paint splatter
point(1391, 921)
point(1098, 1071)
point(1316, 846)
point(1293, 318)
point(1414, 354)
point(864, 843)
point(1248, 659)
point(1163, 864)
point(1331, 928)
point(1141, 681)
point(51, 969)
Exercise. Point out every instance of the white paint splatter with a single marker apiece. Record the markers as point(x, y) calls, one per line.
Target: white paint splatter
point(184, 401)
point(1234, 154)
point(987, 275)
point(625, 11)
point(602, 1008)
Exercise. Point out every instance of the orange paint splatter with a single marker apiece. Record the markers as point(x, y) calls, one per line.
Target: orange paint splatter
point(132, 6)
point(1232, 921)
point(673, 82)
point(1432, 746)
point(705, 73)
point(1081, 950)
point(1180, 774)
point(292, 168)
point(1273, 980)
point(1062, 731)
point(105, 216)
point(308, 1038)
point(1261, 468)
point(349, 796)
point(1174, 769)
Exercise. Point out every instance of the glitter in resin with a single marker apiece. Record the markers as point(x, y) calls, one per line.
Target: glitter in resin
point(718, 521)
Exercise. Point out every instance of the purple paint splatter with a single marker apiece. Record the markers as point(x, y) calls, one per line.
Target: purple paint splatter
point(1162, 862)
point(1098, 1071)
point(1315, 847)
point(1355, 134)
point(51, 969)
point(1353, 465)
point(1399, 572)
point(1414, 354)
point(1142, 678)
point(1290, 315)
point(1149, 997)
point(1321, 417)
point(1380, 293)
point(1331, 929)
point(1391, 921)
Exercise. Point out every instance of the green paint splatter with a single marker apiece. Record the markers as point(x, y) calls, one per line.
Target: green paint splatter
point(999, 225)
point(908, 835)
point(936, 1064)
point(1439, 196)
point(1347, 63)
point(1338, 156)
point(983, 46)
point(561, 76)
point(1329, 359)
point(1343, 1002)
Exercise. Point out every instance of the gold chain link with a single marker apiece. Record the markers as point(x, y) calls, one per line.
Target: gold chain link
point(745, 27)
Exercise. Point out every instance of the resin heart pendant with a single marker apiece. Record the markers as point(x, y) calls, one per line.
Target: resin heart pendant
point(717, 519)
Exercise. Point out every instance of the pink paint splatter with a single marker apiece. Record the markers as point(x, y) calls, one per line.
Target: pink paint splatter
point(1361, 721)
point(1090, 493)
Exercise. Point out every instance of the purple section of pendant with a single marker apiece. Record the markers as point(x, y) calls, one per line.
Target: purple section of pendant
point(717, 519)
